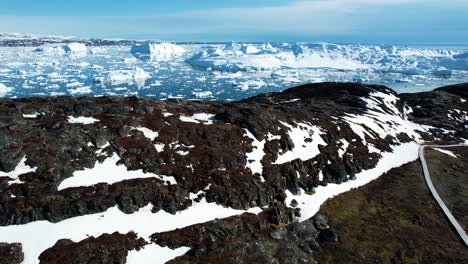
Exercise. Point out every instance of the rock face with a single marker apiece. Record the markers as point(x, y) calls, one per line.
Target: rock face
point(107, 248)
point(249, 239)
point(11, 253)
point(241, 155)
point(444, 107)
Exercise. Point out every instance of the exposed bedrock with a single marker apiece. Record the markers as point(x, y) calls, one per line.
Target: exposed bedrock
point(241, 155)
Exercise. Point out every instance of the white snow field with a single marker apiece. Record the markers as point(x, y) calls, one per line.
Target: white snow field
point(38, 236)
point(108, 172)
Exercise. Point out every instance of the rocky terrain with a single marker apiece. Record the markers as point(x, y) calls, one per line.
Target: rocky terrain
point(65, 160)
point(19, 40)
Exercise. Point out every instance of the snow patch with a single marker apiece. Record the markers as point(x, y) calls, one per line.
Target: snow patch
point(150, 134)
point(447, 152)
point(108, 172)
point(20, 169)
point(306, 139)
point(82, 120)
point(155, 254)
point(41, 235)
point(310, 204)
point(199, 118)
point(254, 158)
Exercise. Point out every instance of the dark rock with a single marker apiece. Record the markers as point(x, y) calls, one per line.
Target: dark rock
point(108, 248)
point(320, 222)
point(11, 253)
point(328, 235)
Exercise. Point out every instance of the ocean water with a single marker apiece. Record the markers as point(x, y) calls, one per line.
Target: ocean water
point(229, 71)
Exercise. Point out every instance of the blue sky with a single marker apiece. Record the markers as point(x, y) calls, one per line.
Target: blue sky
point(351, 21)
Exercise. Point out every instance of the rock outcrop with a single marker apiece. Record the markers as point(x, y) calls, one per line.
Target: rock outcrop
point(254, 153)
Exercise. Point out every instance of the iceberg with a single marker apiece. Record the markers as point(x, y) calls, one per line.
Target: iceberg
point(157, 51)
point(73, 49)
point(235, 57)
point(4, 90)
point(137, 76)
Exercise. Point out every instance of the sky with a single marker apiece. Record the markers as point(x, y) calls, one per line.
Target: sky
point(343, 21)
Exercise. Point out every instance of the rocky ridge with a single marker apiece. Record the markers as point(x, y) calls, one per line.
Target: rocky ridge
point(248, 154)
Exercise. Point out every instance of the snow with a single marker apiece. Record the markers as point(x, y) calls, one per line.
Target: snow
point(383, 122)
point(159, 147)
point(199, 118)
point(157, 51)
point(33, 115)
point(343, 148)
point(154, 252)
point(320, 176)
point(447, 152)
point(150, 134)
point(82, 120)
point(108, 172)
point(21, 168)
point(40, 235)
point(310, 204)
point(302, 149)
point(254, 158)
point(4, 90)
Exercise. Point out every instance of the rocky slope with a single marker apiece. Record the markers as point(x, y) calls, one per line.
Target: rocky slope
point(65, 160)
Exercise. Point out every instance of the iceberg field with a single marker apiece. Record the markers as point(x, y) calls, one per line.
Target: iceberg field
point(229, 71)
